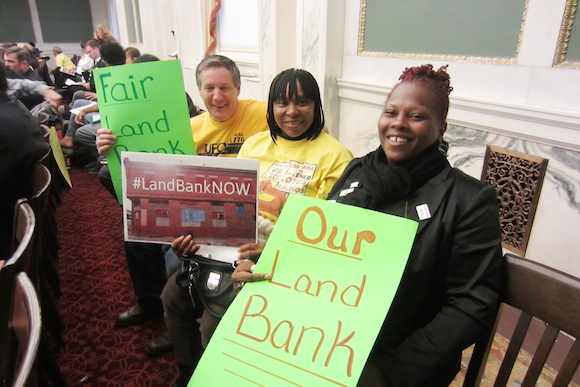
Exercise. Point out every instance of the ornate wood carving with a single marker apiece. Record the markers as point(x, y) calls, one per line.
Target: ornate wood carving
point(517, 178)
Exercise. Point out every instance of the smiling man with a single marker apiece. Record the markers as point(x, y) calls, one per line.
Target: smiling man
point(220, 131)
point(228, 122)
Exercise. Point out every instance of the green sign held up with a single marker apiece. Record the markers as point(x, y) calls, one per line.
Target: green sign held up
point(145, 106)
point(334, 270)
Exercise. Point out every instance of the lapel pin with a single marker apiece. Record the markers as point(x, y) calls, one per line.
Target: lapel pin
point(423, 212)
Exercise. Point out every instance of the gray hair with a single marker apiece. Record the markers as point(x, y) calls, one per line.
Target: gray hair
point(215, 61)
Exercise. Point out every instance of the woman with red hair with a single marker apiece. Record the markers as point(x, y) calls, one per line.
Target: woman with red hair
point(449, 292)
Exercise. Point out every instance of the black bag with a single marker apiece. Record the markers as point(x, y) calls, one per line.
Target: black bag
point(207, 281)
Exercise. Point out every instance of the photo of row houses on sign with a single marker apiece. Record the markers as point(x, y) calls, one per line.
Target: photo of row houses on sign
point(166, 196)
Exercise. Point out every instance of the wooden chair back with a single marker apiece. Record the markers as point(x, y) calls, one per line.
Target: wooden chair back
point(25, 322)
point(39, 198)
point(41, 179)
point(543, 293)
point(23, 232)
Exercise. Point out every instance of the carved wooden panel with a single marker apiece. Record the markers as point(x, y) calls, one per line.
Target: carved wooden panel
point(517, 178)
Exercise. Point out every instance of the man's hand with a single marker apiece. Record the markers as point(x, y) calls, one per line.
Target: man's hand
point(90, 96)
point(105, 140)
point(52, 97)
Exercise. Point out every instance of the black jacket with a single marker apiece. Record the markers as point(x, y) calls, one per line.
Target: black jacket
point(449, 292)
point(21, 146)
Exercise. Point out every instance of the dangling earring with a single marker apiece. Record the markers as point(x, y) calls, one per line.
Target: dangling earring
point(443, 147)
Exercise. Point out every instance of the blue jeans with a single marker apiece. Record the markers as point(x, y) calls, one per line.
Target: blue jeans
point(72, 125)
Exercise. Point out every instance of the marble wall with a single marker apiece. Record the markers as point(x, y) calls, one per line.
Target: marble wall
point(554, 238)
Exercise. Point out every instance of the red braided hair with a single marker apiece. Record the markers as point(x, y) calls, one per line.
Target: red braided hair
point(437, 81)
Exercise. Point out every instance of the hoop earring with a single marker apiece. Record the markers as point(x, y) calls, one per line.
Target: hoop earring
point(443, 147)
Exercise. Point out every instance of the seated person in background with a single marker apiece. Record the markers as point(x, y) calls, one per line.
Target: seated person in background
point(449, 292)
point(34, 54)
point(29, 92)
point(62, 60)
point(21, 146)
point(296, 135)
point(112, 55)
point(132, 54)
point(220, 131)
point(85, 63)
point(65, 68)
point(102, 34)
point(18, 59)
point(85, 89)
point(39, 64)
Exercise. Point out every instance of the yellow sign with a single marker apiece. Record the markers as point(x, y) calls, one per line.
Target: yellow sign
point(58, 156)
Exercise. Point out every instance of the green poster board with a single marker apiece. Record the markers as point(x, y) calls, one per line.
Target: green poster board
point(335, 270)
point(145, 106)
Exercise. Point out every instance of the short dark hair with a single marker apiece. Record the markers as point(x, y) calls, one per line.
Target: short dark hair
point(84, 42)
point(215, 61)
point(112, 54)
point(146, 58)
point(93, 43)
point(133, 52)
point(283, 88)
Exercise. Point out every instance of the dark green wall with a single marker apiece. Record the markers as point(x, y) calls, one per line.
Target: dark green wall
point(480, 28)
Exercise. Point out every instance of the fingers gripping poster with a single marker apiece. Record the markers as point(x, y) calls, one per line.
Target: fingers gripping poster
point(334, 273)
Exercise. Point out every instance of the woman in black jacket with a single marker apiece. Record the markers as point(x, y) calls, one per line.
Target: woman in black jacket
point(449, 292)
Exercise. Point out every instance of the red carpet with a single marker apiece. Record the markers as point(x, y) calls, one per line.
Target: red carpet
point(96, 287)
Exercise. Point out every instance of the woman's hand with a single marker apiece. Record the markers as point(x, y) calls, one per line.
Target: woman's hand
point(249, 250)
point(105, 140)
point(184, 246)
point(244, 271)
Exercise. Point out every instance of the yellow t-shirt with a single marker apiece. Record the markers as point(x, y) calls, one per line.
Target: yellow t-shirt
point(213, 138)
point(64, 61)
point(301, 167)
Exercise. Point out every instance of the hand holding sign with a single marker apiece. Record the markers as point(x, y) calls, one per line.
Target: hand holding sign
point(105, 140)
point(334, 273)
